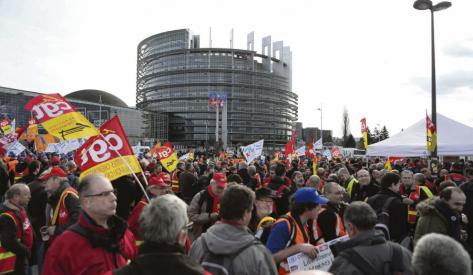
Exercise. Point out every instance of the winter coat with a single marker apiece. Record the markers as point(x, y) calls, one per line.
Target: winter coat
point(188, 183)
point(226, 239)
point(102, 251)
point(164, 259)
point(372, 247)
point(437, 217)
point(199, 212)
point(398, 225)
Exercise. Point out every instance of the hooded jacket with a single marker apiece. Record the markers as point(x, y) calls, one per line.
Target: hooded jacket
point(373, 247)
point(437, 217)
point(226, 239)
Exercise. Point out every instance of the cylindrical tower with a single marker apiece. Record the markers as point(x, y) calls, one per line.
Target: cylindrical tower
point(176, 77)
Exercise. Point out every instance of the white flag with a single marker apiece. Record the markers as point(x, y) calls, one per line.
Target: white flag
point(300, 151)
point(16, 148)
point(252, 151)
point(327, 154)
point(318, 144)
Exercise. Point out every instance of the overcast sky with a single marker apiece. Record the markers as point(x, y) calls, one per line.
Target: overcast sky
point(370, 56)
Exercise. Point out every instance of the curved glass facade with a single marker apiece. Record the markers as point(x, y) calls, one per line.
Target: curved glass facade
point(175, 76)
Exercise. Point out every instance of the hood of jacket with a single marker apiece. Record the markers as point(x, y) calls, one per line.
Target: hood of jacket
point(427, 206)
point(226, 239)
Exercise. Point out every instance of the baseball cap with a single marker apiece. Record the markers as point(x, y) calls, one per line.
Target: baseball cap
point(55, 171)
point(158, 182)
point(220, 179)
point(309, 195)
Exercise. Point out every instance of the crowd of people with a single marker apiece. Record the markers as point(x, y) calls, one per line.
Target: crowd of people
point(221, 215)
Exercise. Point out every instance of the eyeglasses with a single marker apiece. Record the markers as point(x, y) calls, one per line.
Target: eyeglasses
point(103, 194)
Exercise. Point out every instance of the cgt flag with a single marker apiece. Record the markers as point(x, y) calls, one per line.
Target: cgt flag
point(167, 157)
point(60, 118)
point(431, 134)
point(99, 153)
point(364, 132)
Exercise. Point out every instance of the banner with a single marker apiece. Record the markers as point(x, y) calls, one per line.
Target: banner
point(51, 148)
point(16, 148)
point(99, 153)
point(364, 132)
point(167, 157)
point(60, 118)
point(188, 156)
point(318, 144)
point(336, 152)
point(327, 154)
point(7, 126)
point(41, 142)
point(324, 260)
point(300, 151)
point(431, 134)
point(253, 150)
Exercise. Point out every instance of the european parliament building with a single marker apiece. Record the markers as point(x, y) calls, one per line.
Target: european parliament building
point(176, 76)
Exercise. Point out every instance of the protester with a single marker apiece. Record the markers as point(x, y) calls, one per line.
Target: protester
point(388, 198)
point(297, 181)
point(415, 194)
point(347, 181)
point(188, 183)
point(99, 241)
point(261, 221)
point(314, 181)
point(164, 226)
point(437, 254)
point(16, 233)
point(367, 251)
point(255, 180)
point(280, 190)
point(230, 239)
point(205, 206)
point(365, 187)
point(125, 190)
point(175, 177)
point(329, 221)
point(467, 188)
point(63, 201)
point(441, 215)
point(244, 174)
point(291, 234)
point(156, 187)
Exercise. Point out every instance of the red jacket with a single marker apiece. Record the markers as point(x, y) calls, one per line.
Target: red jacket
point(73, 254)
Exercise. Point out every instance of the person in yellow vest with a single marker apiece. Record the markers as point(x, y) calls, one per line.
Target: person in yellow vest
point(413, 192)
point(329, 224)
point(291, 234)
point(16, 232)
point(63, 202)
point(347, 181)
point(156, 187)
point(175, 177)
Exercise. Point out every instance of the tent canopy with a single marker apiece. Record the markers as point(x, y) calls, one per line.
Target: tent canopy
point(453, 139)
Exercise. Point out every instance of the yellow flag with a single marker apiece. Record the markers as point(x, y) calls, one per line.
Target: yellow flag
point(314, 166)
point(167, 157)
point(387, 165)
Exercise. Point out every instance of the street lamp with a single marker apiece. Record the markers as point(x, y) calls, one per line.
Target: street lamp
point(427, 5)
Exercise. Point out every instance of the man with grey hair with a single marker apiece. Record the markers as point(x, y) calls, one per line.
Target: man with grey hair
point(255, 181)
point(100, 240)
point(164, 227)
point(228, 244)
point(347, 181)
point(437, 254)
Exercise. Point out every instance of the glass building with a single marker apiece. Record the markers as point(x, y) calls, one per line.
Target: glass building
point(175, 76)
point(98, 107)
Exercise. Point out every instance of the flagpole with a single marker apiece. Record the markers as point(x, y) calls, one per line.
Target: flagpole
point(129, 167)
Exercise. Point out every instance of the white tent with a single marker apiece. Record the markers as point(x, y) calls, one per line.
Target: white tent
point(453, 139)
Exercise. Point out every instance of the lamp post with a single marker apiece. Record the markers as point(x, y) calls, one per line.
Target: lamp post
point(321, 129)
point(427, 5)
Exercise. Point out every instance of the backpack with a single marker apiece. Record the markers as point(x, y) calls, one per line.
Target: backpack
point(383, 218)
point(394, 266)
point(292, 231)
point(221, 264)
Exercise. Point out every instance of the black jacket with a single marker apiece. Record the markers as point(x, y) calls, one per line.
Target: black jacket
point(165, 259)
point(281, 193)
point(37, 205)
point(398, 225)
point(126, 194)
point(375, 250)
point(188, 184)
point(327, 221)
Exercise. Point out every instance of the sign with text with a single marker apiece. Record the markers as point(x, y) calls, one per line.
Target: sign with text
point(60, 118)
point(167, 157)
point(99, 153)
point(324, 260)
point(253, 150)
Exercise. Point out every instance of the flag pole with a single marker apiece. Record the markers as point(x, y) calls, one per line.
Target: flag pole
point(129, 167)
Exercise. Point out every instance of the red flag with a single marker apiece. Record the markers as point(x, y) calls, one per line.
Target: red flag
point(99, 153)
point(289, 150)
